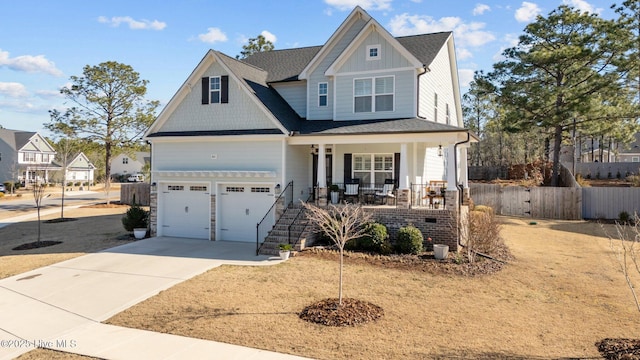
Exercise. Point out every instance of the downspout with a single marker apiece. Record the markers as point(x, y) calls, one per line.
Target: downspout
point(426, 70)
point(459, 186)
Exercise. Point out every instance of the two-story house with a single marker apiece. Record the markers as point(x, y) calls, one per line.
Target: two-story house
point(365, 108)
point(25, 157)
point(125, 164)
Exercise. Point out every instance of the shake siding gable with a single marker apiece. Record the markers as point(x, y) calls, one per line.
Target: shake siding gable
point(390, 57)
point(240, 113)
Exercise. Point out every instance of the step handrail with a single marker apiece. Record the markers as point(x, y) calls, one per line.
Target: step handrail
point(284, 191)
point(302, 210)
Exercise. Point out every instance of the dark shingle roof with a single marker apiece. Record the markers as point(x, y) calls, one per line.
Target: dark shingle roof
point(283, 65)
point(361, 127)
point(287, 64)
point(16, 139)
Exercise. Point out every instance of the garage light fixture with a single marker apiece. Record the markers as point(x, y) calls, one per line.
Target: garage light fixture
point(440, 150)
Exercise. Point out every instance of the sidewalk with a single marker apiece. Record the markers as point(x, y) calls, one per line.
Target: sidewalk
point(61, 306)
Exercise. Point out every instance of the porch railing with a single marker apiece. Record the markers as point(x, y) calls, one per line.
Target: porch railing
point(295, 220)
point(426, 195)
point(369, 194)
point(286, 196)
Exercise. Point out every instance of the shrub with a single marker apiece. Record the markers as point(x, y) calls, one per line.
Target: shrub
point(484, 234)
point(483, 209)
point(376, 240)
point(1, 195)
point(136, 217)
point(624, 217)
point(410, 240)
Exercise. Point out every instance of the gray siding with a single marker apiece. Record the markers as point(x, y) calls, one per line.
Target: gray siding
point(390, 58)
point(438, 81)
point(231, 155)
point(295, 94)
point(299, 170)
point(404, 99)
point(241, 113)
point(313, 110)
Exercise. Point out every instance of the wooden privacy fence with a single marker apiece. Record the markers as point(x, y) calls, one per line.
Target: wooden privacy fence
point(536, 202)
point(140, 190)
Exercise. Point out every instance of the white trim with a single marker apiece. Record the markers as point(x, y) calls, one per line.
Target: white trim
point(368, 72)
point(215, 173)
point(219, 91)
point(326, 95)
point(373, 94)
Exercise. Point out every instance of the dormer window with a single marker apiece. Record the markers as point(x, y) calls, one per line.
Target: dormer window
point(373, 52)
point(215, 90)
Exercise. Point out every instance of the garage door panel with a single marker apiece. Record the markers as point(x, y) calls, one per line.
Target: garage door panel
point(186, 209)
point(241, 207)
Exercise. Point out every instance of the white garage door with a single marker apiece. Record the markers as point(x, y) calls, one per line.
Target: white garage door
point(240, 208)
point(186, 210)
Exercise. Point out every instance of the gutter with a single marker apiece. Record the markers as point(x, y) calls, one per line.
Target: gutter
point(460, 187)
point(426, 70)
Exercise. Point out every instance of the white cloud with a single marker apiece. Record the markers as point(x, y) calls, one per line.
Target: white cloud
point(269, 36)
point(583, 6)
point(133, 24)
point(465, 76)
point(481, 9)
point(465, 34)
point(213, 35)
point(13, 90)
point(462, 54)
point(345, 5)
point(29, 63)
point(48, 94)
point(527, 12)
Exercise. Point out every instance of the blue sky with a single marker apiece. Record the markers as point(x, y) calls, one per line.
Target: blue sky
point(43, 42)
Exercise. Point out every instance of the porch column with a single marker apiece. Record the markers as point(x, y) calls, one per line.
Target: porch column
point(404, 193)
point(322, 176)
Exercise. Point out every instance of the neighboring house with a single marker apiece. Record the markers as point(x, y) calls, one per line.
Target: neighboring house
point(631, 152)
point(126, 164)
point(25, 156)
point(80, 169)
point(365, 105)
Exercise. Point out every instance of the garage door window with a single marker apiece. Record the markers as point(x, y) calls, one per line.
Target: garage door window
point(175, 187)
point(198, 188)
point(260, 189)
point(235, 189)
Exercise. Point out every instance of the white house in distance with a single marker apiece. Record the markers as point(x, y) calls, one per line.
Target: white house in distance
point(127, 164)
point(366, 109)
point(25, 156)
point(80, 169)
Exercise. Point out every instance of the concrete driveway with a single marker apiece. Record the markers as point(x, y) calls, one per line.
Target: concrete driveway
point(61, 306)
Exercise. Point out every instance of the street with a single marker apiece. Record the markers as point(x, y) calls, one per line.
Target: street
point(10, 207)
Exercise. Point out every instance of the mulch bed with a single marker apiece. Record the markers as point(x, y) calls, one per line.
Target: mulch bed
point(619, 349)
point(110, 205)
point(36, 245)
point(352, 312)
point(59, 220)
point(454, 264)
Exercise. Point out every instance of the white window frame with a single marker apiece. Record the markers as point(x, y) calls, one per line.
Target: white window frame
point(213, 90)
point(125, 160)
point(373, 94)
point(635, 159)
point(325, 95)
point(377, 52)
point(29, 157)
point(372, 164)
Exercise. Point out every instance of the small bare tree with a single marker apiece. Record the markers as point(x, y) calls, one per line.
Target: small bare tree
point(38, 196)
point(626, 249)
point(340, 223)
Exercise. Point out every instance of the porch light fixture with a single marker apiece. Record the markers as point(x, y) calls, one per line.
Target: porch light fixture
point(277, 189)
point(154, 186)
point(440, 150)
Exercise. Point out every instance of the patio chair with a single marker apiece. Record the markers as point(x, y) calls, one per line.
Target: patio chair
point(387, 192)
point(351, 190)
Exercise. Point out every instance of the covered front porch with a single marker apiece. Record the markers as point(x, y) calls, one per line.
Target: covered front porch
point(414, 170)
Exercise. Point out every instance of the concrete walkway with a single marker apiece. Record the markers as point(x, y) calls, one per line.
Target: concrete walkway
point(61, 306)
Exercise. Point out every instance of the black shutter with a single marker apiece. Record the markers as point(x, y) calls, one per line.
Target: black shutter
point(224, 89)
point(396, 169)
point(205, 90)
point(347, 168)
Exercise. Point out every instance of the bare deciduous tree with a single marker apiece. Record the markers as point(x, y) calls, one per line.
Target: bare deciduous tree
point(626, 249)
point(342, 224)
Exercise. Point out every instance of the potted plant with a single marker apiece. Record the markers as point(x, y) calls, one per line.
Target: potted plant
point(137, 220)
point(440, 251)
point(335, 193)
point(285, 251)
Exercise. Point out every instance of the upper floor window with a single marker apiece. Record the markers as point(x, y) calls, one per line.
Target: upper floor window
point(45, 158)
point(373, 94)
point(373, 52)
point(323, 91)
point(29, 157)
point(125, 160)
point(214, 87)
point(447, 114)
point(435, 107)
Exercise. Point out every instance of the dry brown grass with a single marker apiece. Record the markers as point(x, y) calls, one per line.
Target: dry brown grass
point(560, 296)
point(95, 229)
